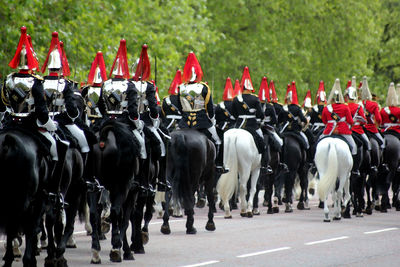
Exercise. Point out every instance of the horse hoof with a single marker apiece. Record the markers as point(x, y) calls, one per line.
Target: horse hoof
point(95, 257)
point(383, 210)
point(327, 220)
point(165, 229)
point(61, 262)
point(249, 214)
point(275, 209)
point(243, 214)
point(192, 231)
point(368, 211)
point(300, 206)
point(145, 237)
point(201, 203)
point(49, 262)
point(102, 236)
point(92, 261)
point(105, 227)
point(265, 203)
point(128, 256)
point(337, 218)
point(288, 209)
point(210, 226)
point(139, 251)
point(228, 217)
point(270, 211)
point(359, 215)
point(347, 215)
point(377, 207)
point(115, 255)
point(256, 212)
point(177, 216)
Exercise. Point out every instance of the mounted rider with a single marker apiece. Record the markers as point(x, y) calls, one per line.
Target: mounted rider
point(278, 107)
point(338, 120)
point(197, 108)
point(391, 113)
point(170, 103)
point(372, 114)
point(247, 110)
point(292, 117)
point(60, 94)
point(223, 111)
point(24, 101)
point(316, 114)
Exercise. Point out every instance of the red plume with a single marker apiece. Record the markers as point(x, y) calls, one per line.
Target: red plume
point(321, 90)
point(272, 92)
point(98, 61)
point(123, 60)
point(64, 61)
point(173, 88)
point(228, 90)
point(54, 44)
point(23, 41)
point(192, 62)
point(263, 94)
point(246, 80)
point(237, 90)
point(143, 67)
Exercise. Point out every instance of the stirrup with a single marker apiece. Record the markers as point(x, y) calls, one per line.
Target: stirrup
point(385, 167)
point(221, 169)
point(374, 169)
point(356, 172)
point(267, 170)
point(284, 167)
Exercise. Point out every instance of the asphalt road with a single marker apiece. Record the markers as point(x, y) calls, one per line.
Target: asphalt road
point(300, 238)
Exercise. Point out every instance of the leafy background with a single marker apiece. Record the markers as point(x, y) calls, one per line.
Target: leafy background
point(284, 40)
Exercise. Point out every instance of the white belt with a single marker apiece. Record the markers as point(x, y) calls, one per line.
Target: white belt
point(176, 117)
point(247, 116)
point(387, 125)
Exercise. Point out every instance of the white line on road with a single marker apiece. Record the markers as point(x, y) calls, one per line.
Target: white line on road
point(326, 240)
point(262, 252)
point(380, 231)
point(201, 264)
point(171, 221)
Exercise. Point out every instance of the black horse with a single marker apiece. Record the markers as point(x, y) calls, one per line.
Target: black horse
point(371, 184)
point(391, 156)
point(24, 173)
point(116, 158)
point(190, 161)
point(295, 158)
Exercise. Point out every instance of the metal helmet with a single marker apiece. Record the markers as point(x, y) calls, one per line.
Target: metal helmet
point(336, 93)
point(352, 93)
point(23, 62)
point(391, 99)
point(365, 92)
point(54, 60)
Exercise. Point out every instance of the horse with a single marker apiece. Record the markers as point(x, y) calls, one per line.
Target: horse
point(24, 169)
point(62, 207)
point(190, 161)
point(116, 158)
point(334, 163)
point(295, 158)
point(391, 157)
point(242, 158)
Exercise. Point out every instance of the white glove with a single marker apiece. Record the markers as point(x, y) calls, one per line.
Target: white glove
point(156, 122)
point(213, 121)
point(50, 125)
point(139, 124)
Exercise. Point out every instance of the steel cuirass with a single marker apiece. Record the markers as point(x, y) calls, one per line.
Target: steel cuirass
point(191, 97)
point(114, 92)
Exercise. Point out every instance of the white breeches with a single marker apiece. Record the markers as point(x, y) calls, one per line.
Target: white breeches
point(80, 136)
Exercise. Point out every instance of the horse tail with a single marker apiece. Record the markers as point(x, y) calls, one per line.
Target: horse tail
point(328, 180)
point(181, 187)
point(228, 182)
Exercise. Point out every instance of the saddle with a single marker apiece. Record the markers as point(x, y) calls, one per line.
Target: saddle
point(260, 144)
point(296, 136)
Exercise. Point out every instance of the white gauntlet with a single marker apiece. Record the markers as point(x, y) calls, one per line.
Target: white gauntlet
point(139, 124)
point(156, 122)
point(50, 125)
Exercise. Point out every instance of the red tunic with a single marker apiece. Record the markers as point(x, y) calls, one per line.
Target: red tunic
point(357, 126)
point(343, 126)
point(387, 122)
point(373, 116)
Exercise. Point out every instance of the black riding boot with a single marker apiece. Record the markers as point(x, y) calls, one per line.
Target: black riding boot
point(219, 160)
point(162, 184)
point(265, 167)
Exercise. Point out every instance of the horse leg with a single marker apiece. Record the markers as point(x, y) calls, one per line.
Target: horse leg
point(116, 221)
point(209, 188)
point(289, 182)
point(165, 229)
point(148, 215)
point(127, 211)
point(242, 193)
point(50, 222)
point(201, 197)
point(92, 199)
point(252, 193)
point(137, 216)
point(190, 230)
point(303, 201)
point(268, 194)
point(9, 255)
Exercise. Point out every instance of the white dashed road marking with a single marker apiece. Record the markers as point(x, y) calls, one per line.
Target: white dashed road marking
point(201, 264)
point(380, 231)
point(262, 252)
point(326, 240)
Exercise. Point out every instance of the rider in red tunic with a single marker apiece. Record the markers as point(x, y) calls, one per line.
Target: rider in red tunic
point(337, 118)
point(391, 113)
point(374, 118)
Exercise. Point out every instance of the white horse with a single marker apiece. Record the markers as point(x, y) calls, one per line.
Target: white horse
point(242, 158)
point(334, 163)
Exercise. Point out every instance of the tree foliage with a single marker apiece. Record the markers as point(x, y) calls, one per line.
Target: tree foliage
point(302, 40)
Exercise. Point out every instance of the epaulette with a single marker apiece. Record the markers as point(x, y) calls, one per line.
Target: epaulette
point(203, 83)
point(37, 77)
